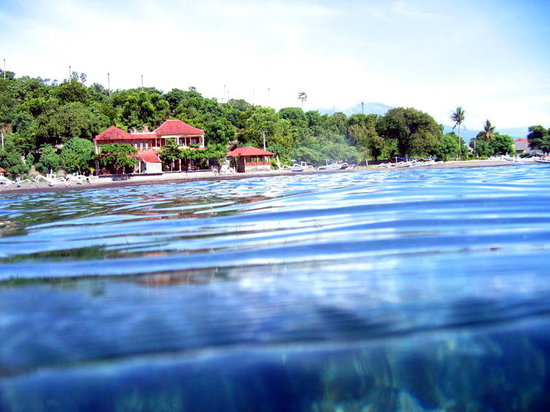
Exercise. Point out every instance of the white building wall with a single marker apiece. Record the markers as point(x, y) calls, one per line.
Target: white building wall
point(153, 167)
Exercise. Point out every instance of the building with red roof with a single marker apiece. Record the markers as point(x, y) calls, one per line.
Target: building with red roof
point(149, 162)
point(148, 142)
point(250, 158)
point(174, 130)
point(522, 145)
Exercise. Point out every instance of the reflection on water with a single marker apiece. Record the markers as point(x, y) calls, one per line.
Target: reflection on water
point(420, 290)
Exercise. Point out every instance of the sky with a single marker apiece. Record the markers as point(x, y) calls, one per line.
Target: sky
point(490, 57)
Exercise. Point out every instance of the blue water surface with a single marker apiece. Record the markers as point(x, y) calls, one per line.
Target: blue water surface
point(397, 290)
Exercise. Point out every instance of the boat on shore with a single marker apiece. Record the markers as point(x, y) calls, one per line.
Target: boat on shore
point(339, 165)
point(543, 160)
point(299, 167)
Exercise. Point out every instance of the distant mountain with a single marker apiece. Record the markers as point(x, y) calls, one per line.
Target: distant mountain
point(515, 132)
point(466, 134)
point(368, 108)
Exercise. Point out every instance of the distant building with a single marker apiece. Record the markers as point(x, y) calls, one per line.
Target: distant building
point(149, 143)
point(250, 158)
point(522, 146)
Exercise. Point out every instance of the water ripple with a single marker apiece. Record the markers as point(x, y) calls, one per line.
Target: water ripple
point(126, 273)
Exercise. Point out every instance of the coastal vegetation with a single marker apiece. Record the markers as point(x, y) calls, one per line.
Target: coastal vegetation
point(458, 118)
point(47, 126)
point(539, 138)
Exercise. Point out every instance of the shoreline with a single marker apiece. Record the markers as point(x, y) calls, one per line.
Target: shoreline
point(178, 178)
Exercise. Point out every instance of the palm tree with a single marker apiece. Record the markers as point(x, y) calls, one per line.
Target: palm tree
point(303, 97)
point(458, 118)
point(488, 132)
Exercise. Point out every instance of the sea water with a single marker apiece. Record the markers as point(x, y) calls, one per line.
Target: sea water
point(397, 290)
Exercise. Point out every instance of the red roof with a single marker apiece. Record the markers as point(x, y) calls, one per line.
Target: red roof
point(248, 151)
point(113, 133)
point(177, 127)
point(138, 136)
point(149, 156)
point(522, 139)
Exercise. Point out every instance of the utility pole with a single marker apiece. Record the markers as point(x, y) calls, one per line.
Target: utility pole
point(109, 83)
point(4, 77)
point(142, 82)
point(263, 137)
point(2, 137)
point(268, 90)
point(69, 79)
point(362, 107)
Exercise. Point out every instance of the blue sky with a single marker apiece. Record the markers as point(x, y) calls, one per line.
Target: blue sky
point(490, 57)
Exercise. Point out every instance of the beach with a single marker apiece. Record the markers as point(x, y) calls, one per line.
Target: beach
point(95, 182)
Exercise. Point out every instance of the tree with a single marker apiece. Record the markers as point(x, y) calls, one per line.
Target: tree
point(118, 156)
point(458, 117)
point(448, 147)
point(72, 91)
point(9, 75)
point(336, 123)
point(416, 132)
point(70, 120)
point(216, 151)
point(137, 108)
point(13, 163)
point(302, 96)
point(188, 154)
point(260, 122)
point(488, 132)
point(502, 144)
point(376, 146)
point(217, 130)
point(362, 133)
point(358, 135)
point(170, 153)
point(239, 105)
point(77, 155)
point(481, 147)
point(539, 138)
point(24, 126)
point(194, 107)
point(295, 115)
point(49, 160)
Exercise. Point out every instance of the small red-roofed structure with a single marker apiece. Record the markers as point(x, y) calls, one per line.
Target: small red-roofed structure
point(522, 145)
point(250, 158)
point(149, 162)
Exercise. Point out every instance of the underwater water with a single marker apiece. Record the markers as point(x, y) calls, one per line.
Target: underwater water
point(398, 290)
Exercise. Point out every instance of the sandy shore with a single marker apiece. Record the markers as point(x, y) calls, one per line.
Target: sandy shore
point(168, 178)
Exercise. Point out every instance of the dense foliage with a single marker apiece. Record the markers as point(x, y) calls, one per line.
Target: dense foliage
point(40, 120)
point(539, 138)
point(117, 157)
